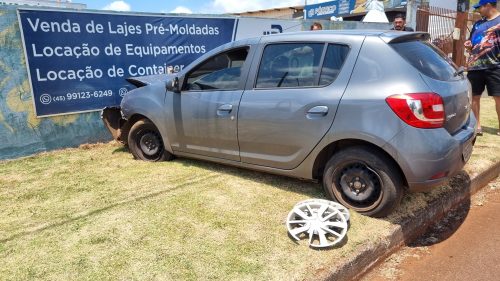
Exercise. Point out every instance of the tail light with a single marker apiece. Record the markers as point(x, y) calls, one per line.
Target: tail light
point(420, 110)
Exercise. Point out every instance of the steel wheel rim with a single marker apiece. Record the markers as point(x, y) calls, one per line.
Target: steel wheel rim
point(150, 144)
point(318, 221)
point(341, 184)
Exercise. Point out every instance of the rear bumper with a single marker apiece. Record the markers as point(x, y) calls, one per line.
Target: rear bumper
point(454, 166)
point(429, 158)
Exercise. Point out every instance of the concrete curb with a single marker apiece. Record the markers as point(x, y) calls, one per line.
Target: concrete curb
point(409, 228)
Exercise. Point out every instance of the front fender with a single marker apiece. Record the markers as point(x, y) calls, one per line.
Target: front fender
point(145, 102)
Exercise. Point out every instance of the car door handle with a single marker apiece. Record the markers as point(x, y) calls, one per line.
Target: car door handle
point(319, 110)
point(224, 109)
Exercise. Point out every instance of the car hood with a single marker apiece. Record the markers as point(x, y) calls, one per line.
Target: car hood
point(141, 81)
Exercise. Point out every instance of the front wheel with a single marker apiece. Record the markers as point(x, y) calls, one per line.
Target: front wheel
point(145, 142)
point(363, 180)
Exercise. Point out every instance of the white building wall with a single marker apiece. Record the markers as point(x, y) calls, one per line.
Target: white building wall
point(447, 4)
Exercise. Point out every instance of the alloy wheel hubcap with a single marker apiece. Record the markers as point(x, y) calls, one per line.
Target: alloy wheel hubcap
point(318, 220)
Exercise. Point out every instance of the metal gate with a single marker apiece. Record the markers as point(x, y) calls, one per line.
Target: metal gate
point(440, 23)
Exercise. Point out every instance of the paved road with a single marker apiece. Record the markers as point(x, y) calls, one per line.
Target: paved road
point(463, 246)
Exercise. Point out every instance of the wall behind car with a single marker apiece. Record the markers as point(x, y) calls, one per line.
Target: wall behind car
point(21, 132)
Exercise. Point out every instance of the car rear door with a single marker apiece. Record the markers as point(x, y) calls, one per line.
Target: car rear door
point(292, 99)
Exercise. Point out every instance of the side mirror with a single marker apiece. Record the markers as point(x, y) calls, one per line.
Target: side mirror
point(174, 85)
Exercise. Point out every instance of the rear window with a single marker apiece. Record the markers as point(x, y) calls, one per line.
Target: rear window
point(427, 59)
point(290, 65)
point(295, 65)
point(334, 59)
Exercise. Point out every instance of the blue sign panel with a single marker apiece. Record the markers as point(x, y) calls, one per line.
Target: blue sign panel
point(79, 61)
point(326, 10)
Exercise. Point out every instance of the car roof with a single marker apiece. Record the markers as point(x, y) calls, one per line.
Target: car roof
point(358, 32)
point(387, 35)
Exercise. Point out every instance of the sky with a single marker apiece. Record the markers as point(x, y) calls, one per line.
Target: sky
point(190, 6)
point(207, 6)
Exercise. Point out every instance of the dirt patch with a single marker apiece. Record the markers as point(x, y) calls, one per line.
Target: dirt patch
point(461, 246)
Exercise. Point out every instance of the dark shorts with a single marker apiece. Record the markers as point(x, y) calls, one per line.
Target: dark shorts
point(487, 78)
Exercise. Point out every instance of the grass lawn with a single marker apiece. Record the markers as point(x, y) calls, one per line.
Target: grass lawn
point(94, 213)
point(487, 147)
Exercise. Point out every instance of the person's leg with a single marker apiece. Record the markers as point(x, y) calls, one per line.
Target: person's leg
point(497, 104)
point(478, 83)
point(493, 86)
point(476, 100)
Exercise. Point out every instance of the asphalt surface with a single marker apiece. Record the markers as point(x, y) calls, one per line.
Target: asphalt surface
point(465, 245)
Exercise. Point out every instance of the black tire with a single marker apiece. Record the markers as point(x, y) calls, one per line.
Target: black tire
point(145, 142)
point(363, 180)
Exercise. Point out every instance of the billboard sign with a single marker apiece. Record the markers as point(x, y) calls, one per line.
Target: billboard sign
point(78, 61)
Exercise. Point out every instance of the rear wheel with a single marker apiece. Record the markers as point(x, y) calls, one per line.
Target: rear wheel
point(145, 142)
point(363, 180)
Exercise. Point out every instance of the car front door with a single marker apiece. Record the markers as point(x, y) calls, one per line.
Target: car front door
point(206, 110)
point(293, 101)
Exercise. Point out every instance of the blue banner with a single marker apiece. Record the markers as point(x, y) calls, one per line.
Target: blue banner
point(79, 61)
point(339, 8)
point(326, 10)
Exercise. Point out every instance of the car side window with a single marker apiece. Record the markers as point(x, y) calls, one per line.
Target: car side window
point(290, 65)
point(221, 72)
point(334, 59)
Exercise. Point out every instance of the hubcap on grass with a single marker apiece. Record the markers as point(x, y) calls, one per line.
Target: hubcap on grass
point(320, 221)
point(343, 210)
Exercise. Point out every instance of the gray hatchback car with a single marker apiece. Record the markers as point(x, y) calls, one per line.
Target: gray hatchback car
point(371, 114)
